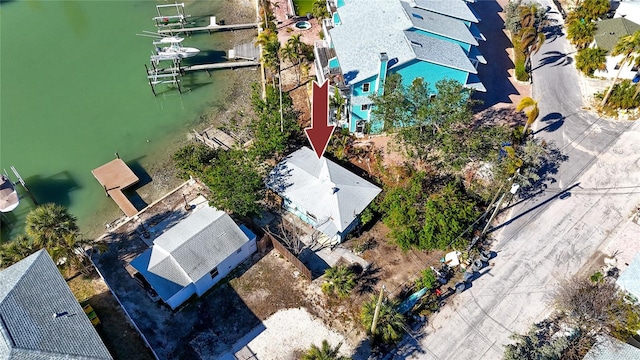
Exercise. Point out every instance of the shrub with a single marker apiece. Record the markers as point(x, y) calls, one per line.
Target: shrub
point(625, 95)
point(521, 71)
point(591, 59)
point(339, 280)
point(426, 280)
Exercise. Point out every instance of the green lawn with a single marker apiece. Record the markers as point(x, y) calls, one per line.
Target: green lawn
point(303, 6)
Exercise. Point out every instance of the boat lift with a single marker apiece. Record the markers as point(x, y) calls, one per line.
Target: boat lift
point(179, 19)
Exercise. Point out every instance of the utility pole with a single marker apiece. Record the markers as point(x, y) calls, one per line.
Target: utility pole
point(376, 313)
point(512, 190)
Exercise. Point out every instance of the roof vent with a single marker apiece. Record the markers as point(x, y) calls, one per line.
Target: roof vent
point(60, 314)
point(334, 190)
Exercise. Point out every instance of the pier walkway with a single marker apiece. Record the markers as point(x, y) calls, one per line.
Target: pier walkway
point(114, 177)
point(213, 26)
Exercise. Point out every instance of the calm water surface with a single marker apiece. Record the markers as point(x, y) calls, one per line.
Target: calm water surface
point(73, 92)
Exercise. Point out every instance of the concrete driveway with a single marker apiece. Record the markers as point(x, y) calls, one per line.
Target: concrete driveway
point(549, 237)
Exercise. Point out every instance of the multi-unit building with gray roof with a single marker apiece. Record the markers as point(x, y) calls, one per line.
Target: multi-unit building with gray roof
point(40, 319)
point(193, 255)
point(321, 193)
point(364, 40)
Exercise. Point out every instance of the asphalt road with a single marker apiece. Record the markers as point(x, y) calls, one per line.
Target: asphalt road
point(547, 238)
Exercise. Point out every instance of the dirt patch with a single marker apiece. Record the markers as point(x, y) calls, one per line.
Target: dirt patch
point(120, 337)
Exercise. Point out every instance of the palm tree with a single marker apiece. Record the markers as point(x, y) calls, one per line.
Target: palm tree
point(16, 250)
point(531, 36)
point(591, 59)
point(325, 352)
point(48, 224)
point(338, 102)
point(268, 40)
point(629, 46)
point(580, 33)
point(288, 52)
point(319, 9)
point(532, 40)
point(390, 322)
point(530, 108)
point(71, 253)
point(340, 280)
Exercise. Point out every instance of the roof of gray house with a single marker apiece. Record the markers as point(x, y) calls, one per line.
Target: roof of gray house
point(371, 27)
point(368, 28)
point(629, 280)
point(454, 8)
point(608, 348)
point(609, 31)
point(333, 194)
point(190, 250)
point(440, 52)
point(39, 316)
point(439, 24)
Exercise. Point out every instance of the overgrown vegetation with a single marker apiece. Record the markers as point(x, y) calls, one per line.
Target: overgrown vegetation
point(235, 176)
point(51, 227)
point(422, 221)
point(427, 208)
point(426, 280)
point(625, 95)
point(585, 308)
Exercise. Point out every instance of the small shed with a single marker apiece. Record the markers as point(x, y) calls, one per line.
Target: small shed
point(195, 254)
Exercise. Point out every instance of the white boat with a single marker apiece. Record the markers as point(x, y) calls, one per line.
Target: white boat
point(9, 198)
point(169, 48)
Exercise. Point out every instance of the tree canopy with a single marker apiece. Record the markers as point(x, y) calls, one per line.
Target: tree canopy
point(427, 222)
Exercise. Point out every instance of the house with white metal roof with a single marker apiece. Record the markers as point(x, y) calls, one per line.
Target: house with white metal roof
point(364, 40)
point(193, 255)
point(40, 318)
point(321, 193)
point(609, 348)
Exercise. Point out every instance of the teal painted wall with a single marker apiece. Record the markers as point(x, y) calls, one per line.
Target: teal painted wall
point(430, 72)
point(358, 87)
point(466, 47)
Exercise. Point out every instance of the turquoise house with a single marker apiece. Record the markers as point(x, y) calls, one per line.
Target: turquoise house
point(365, 40)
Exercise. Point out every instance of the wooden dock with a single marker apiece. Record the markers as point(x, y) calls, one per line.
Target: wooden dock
point(213, 26)
point(224, 65)
point(114, 177)
point(216, 138)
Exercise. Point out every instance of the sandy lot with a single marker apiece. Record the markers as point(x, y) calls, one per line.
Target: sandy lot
point(291, 332)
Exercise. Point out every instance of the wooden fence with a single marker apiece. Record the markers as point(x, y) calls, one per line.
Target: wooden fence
point(289, 256)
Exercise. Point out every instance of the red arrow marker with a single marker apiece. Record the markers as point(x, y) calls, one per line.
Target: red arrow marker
point(320, 132)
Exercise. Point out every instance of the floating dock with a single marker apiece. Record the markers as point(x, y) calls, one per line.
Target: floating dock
point(213, 26)
point(114, 177)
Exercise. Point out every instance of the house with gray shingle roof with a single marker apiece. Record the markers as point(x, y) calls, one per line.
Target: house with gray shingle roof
point(193, 255)
point(607, 35)
point(40, 319)
point(321, 193)
point(369, 39)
